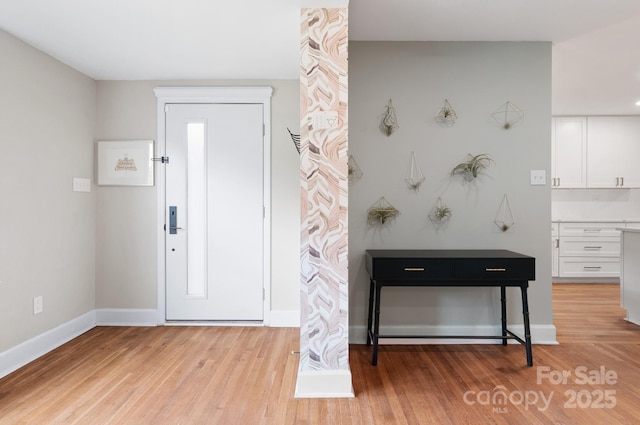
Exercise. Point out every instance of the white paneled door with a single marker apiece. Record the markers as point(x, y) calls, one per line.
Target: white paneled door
point(215, 212)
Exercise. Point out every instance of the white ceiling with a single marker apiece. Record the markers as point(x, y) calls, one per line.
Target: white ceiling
point(596, 54)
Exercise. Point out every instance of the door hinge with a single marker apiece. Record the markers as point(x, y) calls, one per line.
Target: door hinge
point(162, 159)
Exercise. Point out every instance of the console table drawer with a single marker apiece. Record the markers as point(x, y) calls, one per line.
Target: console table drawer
point(407, 269)
point(496, 269)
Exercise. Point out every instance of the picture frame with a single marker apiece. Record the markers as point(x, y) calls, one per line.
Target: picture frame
point(125, 163)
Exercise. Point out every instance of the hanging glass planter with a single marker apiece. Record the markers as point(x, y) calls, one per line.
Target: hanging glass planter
point(415, 176)
point(504, 216)
point(446, 116)
point(389, 122)
point(381, 212)
point(508, 115)
point(440, 213)
point(354, 171)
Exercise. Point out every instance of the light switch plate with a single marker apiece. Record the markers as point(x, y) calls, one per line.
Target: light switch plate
point(81, 185)
point(325, 119)
point(538, 177)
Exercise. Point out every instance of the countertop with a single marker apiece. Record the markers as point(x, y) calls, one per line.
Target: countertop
point(595, 220)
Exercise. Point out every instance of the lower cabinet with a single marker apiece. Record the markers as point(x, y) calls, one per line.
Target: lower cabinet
point(589, 250)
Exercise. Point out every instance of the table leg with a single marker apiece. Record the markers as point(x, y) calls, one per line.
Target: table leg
point(370, 316)
point(527, 331)
point(503, 304)
point(376, 325)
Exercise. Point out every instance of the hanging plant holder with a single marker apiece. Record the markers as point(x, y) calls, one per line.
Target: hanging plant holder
point(472, 167)
point(504, 217)
point(354, 171)
point(296, 139)
point(446, 116)
point(508, 115)
point(415, 176)
point(440, 213)
point(381, 212)
point(389, 121)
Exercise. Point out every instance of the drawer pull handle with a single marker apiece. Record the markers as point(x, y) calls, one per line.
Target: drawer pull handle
point(414, 269)
point(592, 267)
point(592, 247)
point(496, 270)
point(593, 230)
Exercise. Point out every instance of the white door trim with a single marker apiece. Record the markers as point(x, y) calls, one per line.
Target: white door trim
point(168, 95)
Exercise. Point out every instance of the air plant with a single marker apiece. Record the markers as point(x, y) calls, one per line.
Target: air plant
point(440, 213)
point(381, 212)
point(472, 166)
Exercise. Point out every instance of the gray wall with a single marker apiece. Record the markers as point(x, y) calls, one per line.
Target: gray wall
point(47, 122)
point(477, 78)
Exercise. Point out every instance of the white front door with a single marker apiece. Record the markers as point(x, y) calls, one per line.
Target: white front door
point(215, 212)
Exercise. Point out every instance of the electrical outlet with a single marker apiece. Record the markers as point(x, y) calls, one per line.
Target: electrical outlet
point(37, 305)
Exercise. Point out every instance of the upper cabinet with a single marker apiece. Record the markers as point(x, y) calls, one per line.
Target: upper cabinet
point(595, 152)
point(568, 152)
point(613, 149)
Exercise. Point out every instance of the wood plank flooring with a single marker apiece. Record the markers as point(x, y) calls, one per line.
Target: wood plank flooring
point(234, 375)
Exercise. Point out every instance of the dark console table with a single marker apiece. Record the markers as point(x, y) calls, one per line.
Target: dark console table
point(449, 268)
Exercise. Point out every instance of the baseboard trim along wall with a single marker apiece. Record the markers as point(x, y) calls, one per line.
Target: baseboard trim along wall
point(22, 354)
point(324, 384)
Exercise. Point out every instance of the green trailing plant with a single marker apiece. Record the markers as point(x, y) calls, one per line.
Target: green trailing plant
point(473, 166)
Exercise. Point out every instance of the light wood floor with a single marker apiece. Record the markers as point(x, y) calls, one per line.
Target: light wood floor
point(210, 375)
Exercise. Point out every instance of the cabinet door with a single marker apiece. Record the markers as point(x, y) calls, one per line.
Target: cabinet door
point(602, 148)
point(568, 153)
point(555, 245)
point(628, 151)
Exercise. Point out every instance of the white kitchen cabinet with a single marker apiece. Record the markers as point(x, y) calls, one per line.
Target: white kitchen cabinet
point(613, 149)
point(568, 152)
point(589, 250)
point(555, 249)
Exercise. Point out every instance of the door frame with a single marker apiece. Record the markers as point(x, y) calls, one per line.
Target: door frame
point(204, 95)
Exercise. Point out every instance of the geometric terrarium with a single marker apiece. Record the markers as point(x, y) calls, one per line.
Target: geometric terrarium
point(414, 176)
point(389, 121)
point(354, 170)
point(504, 217)
point(381, 212)
point(440, 213)
point(446, 116)
point(508, 115)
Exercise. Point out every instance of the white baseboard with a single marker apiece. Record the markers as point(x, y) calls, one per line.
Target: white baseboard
point(26, 352)
point(285, 319)
point(540, 334)
point(324, 384)
point(126, 317)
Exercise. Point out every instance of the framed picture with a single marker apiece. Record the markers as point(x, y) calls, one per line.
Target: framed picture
point(125, 163)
